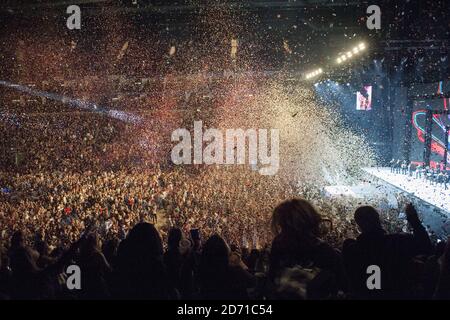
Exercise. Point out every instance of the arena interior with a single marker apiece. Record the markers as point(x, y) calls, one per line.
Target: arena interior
point(117, 154)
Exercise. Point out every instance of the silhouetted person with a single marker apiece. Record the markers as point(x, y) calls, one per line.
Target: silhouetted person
point(392, 253)
point(109, 250)
point(222, 276)
point(191, 265)
point(297, 226)
point(28, 280)
point(141, 273)
point(173, 259)
point(5, 276)
point(252, 260)
point(95, 269)
point(443, 284)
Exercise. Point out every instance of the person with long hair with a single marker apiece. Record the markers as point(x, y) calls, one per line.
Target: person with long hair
point(222, 274)
point(141, 273)
point(95, 268)
point(298, 228)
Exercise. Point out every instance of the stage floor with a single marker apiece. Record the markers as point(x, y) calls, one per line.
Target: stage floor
point(433, 194)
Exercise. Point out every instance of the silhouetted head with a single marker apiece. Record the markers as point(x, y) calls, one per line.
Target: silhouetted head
point(22, 262)
point(298, 218)
point(41, 247)
point(215, 252)
point(92, 242)
point(196, 240)
point(17, 239)
point(174, 238)
point(110, 247)
point(368, 219)
point(144, 237)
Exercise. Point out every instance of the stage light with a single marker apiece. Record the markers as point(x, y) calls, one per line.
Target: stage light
point(350, 54)
point(313, 73)
point(234, 48)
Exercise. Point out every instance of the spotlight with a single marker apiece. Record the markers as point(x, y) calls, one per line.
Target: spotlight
point(234, 46)
point(314, 73)
point(349, 54)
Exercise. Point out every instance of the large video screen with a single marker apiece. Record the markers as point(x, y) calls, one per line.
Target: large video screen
point(439, 123)
point(364, 98)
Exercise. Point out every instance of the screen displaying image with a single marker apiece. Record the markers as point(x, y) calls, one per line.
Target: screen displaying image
point(364, 98)
point(438, 126)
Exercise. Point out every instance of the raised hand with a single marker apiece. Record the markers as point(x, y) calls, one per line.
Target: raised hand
point(411, 214)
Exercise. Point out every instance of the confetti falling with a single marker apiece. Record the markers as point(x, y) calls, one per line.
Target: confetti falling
point(229, 68)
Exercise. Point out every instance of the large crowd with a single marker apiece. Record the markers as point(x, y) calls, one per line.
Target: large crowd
point(80, 188)
point(59, 205)
point(298, 262)
point(154, 231)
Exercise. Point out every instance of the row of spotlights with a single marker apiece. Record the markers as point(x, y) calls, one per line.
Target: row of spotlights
point(350, 54)
point(314, 73)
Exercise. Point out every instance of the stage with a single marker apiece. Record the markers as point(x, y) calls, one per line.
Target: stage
point(434, 195)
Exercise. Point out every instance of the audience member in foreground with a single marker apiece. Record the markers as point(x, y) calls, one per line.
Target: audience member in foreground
point(221, 277)
point(299, 265)
point(394, 254)
point(297, 245)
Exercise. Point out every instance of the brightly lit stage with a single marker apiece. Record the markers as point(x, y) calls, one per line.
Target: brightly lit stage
point(434, 195)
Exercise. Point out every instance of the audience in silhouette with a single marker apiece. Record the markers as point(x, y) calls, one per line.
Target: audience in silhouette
point(299, 264)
